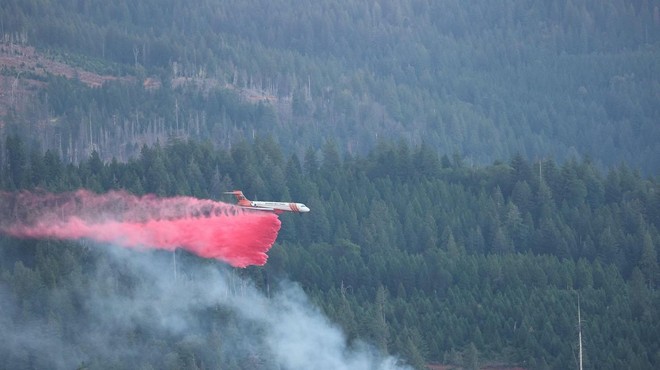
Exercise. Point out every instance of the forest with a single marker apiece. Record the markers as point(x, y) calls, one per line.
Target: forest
point(474, 169)
point(420, 255)
point(569, 79)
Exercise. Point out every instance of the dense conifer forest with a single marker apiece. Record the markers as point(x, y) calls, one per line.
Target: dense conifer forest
point(473, 169)
point(544, 79)
point(418, 254)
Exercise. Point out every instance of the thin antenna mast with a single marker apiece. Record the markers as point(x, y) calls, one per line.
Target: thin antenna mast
point(579, 333)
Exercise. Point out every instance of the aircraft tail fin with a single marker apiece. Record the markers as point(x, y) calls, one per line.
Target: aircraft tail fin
point(242, 200)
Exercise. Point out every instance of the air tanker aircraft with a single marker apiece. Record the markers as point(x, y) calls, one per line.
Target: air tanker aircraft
point(277, 207)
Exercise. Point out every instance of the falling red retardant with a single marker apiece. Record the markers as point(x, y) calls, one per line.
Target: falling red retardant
point(209, 229)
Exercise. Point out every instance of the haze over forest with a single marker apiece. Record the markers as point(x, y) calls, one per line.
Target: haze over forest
point(470, 167)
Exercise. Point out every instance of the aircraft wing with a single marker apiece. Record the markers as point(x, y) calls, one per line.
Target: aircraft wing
point(259, 208)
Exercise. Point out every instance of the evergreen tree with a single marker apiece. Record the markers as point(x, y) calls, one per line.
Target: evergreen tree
point(648, 263)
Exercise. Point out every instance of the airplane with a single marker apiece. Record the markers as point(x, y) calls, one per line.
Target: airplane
point(277, 207)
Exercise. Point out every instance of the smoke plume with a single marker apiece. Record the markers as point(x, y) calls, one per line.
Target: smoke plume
point(206, 228)
point(130, 311)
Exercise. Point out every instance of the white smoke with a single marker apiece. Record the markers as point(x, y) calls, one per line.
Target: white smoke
point(284, 331)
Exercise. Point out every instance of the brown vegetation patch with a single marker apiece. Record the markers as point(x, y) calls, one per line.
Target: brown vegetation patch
point(21, 67)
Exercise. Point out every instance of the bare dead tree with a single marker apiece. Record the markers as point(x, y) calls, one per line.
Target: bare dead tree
point(136, 53)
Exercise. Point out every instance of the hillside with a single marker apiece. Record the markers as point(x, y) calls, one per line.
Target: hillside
point(472, 168)
point(572, 80)
point(24, 72)
point(42, 92)
point(417, 255)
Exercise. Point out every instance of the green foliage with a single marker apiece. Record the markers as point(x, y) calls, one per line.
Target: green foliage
point(576, 78)
point(464, 265)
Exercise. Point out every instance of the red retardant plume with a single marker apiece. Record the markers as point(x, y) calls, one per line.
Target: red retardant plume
point(204, 227)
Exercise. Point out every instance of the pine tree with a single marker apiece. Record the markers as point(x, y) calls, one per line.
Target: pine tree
point(648, 263)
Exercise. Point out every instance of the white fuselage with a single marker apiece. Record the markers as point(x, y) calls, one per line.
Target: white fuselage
point(277, 207)
point(280, 206)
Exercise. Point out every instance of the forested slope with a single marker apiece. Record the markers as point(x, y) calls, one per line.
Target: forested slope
point(418, 254)
point(489, 162)
point(485, 80)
